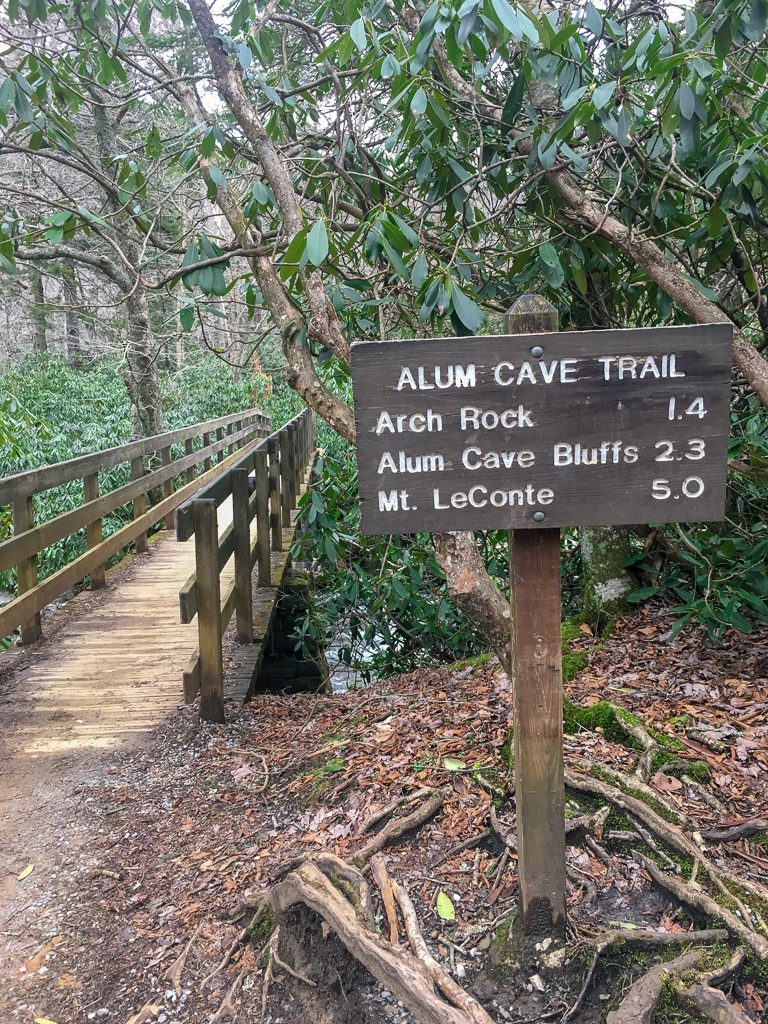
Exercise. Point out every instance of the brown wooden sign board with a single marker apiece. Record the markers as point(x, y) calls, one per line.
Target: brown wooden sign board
point(529, 431)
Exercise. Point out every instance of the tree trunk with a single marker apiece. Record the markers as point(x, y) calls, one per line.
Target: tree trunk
point(141, 376)
point(71, 319)
point(605, 551)
point(38, 316)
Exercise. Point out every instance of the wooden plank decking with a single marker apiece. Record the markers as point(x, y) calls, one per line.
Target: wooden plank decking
point(114, 669)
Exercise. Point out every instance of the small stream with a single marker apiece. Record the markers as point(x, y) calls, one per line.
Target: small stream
point(344, 677)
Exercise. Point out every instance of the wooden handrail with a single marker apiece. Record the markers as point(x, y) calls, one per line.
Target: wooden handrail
point(279, 464)
point(35, 481)
point(246, 428)
point(29, 542)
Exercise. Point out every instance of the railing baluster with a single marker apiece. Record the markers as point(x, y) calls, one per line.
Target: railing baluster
point(189, 449)
point(285, 475)
point(26, 571)
point(292, 467)
point(219, 436)
point(262, 519)
point(139, 503)
point(242, 544)
point(93, 531)
point(209, 611)
point(170, 519)
point(207, 440)
point(275, 512)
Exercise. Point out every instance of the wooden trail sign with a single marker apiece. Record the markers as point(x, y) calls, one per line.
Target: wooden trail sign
point(581, 428)
point(532, 431)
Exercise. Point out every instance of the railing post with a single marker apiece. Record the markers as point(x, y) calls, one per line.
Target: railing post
point(207, 440)
point(165, 458)
point(230, 430)
point(242, 537)
point(139, 503)
point(275, 513)
point(219, 436)
point(262, 518)
point(189, 449)
point(26, 571)
point(93, 531)
point(209, 611)
point(285, 475)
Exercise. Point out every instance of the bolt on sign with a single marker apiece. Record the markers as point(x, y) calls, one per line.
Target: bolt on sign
point(557, 429)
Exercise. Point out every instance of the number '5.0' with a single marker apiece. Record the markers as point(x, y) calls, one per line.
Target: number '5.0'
point(692, 487)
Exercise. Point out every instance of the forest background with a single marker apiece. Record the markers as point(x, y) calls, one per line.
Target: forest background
point(200, 215)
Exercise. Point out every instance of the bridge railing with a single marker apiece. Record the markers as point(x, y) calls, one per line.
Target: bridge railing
point(223, 438)
point(263, 485)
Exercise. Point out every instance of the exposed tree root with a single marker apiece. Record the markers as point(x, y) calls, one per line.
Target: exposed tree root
point(442, 980)
point(674, 836)
point(699, 900)
point(639, 1004)
point(382, 879)
point(228, 1005)
point(276, 959)
point(175, 971)
point(744, 830)
point(711, 1003)
point(402, 972)
point(400, 826)
point(639, 937)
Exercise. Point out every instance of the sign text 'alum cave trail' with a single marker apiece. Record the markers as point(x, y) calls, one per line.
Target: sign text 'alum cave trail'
point(567, 429)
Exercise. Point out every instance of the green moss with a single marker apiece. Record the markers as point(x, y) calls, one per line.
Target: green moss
point(261, 927)
point(573, 661)
point(425, 761)
point(603, 716)
point(668, 742)
point(321, 778)
point(507, 752)
point(672, 765)
point(477, 662)
point(680, 721)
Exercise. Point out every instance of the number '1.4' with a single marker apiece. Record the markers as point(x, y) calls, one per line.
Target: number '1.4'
point(696, 408)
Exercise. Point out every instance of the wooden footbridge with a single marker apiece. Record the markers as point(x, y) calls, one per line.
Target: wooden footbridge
point(209, 513)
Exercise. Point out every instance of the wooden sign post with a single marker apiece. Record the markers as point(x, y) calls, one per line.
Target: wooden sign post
point(537, 686)
point(531, 431)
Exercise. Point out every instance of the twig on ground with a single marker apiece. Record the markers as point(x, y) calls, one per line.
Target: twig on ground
point(648, 838)
point(384, 812)
point(465, 844)
point(398, 827)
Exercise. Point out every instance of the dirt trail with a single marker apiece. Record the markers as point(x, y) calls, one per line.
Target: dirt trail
point(106, 675)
